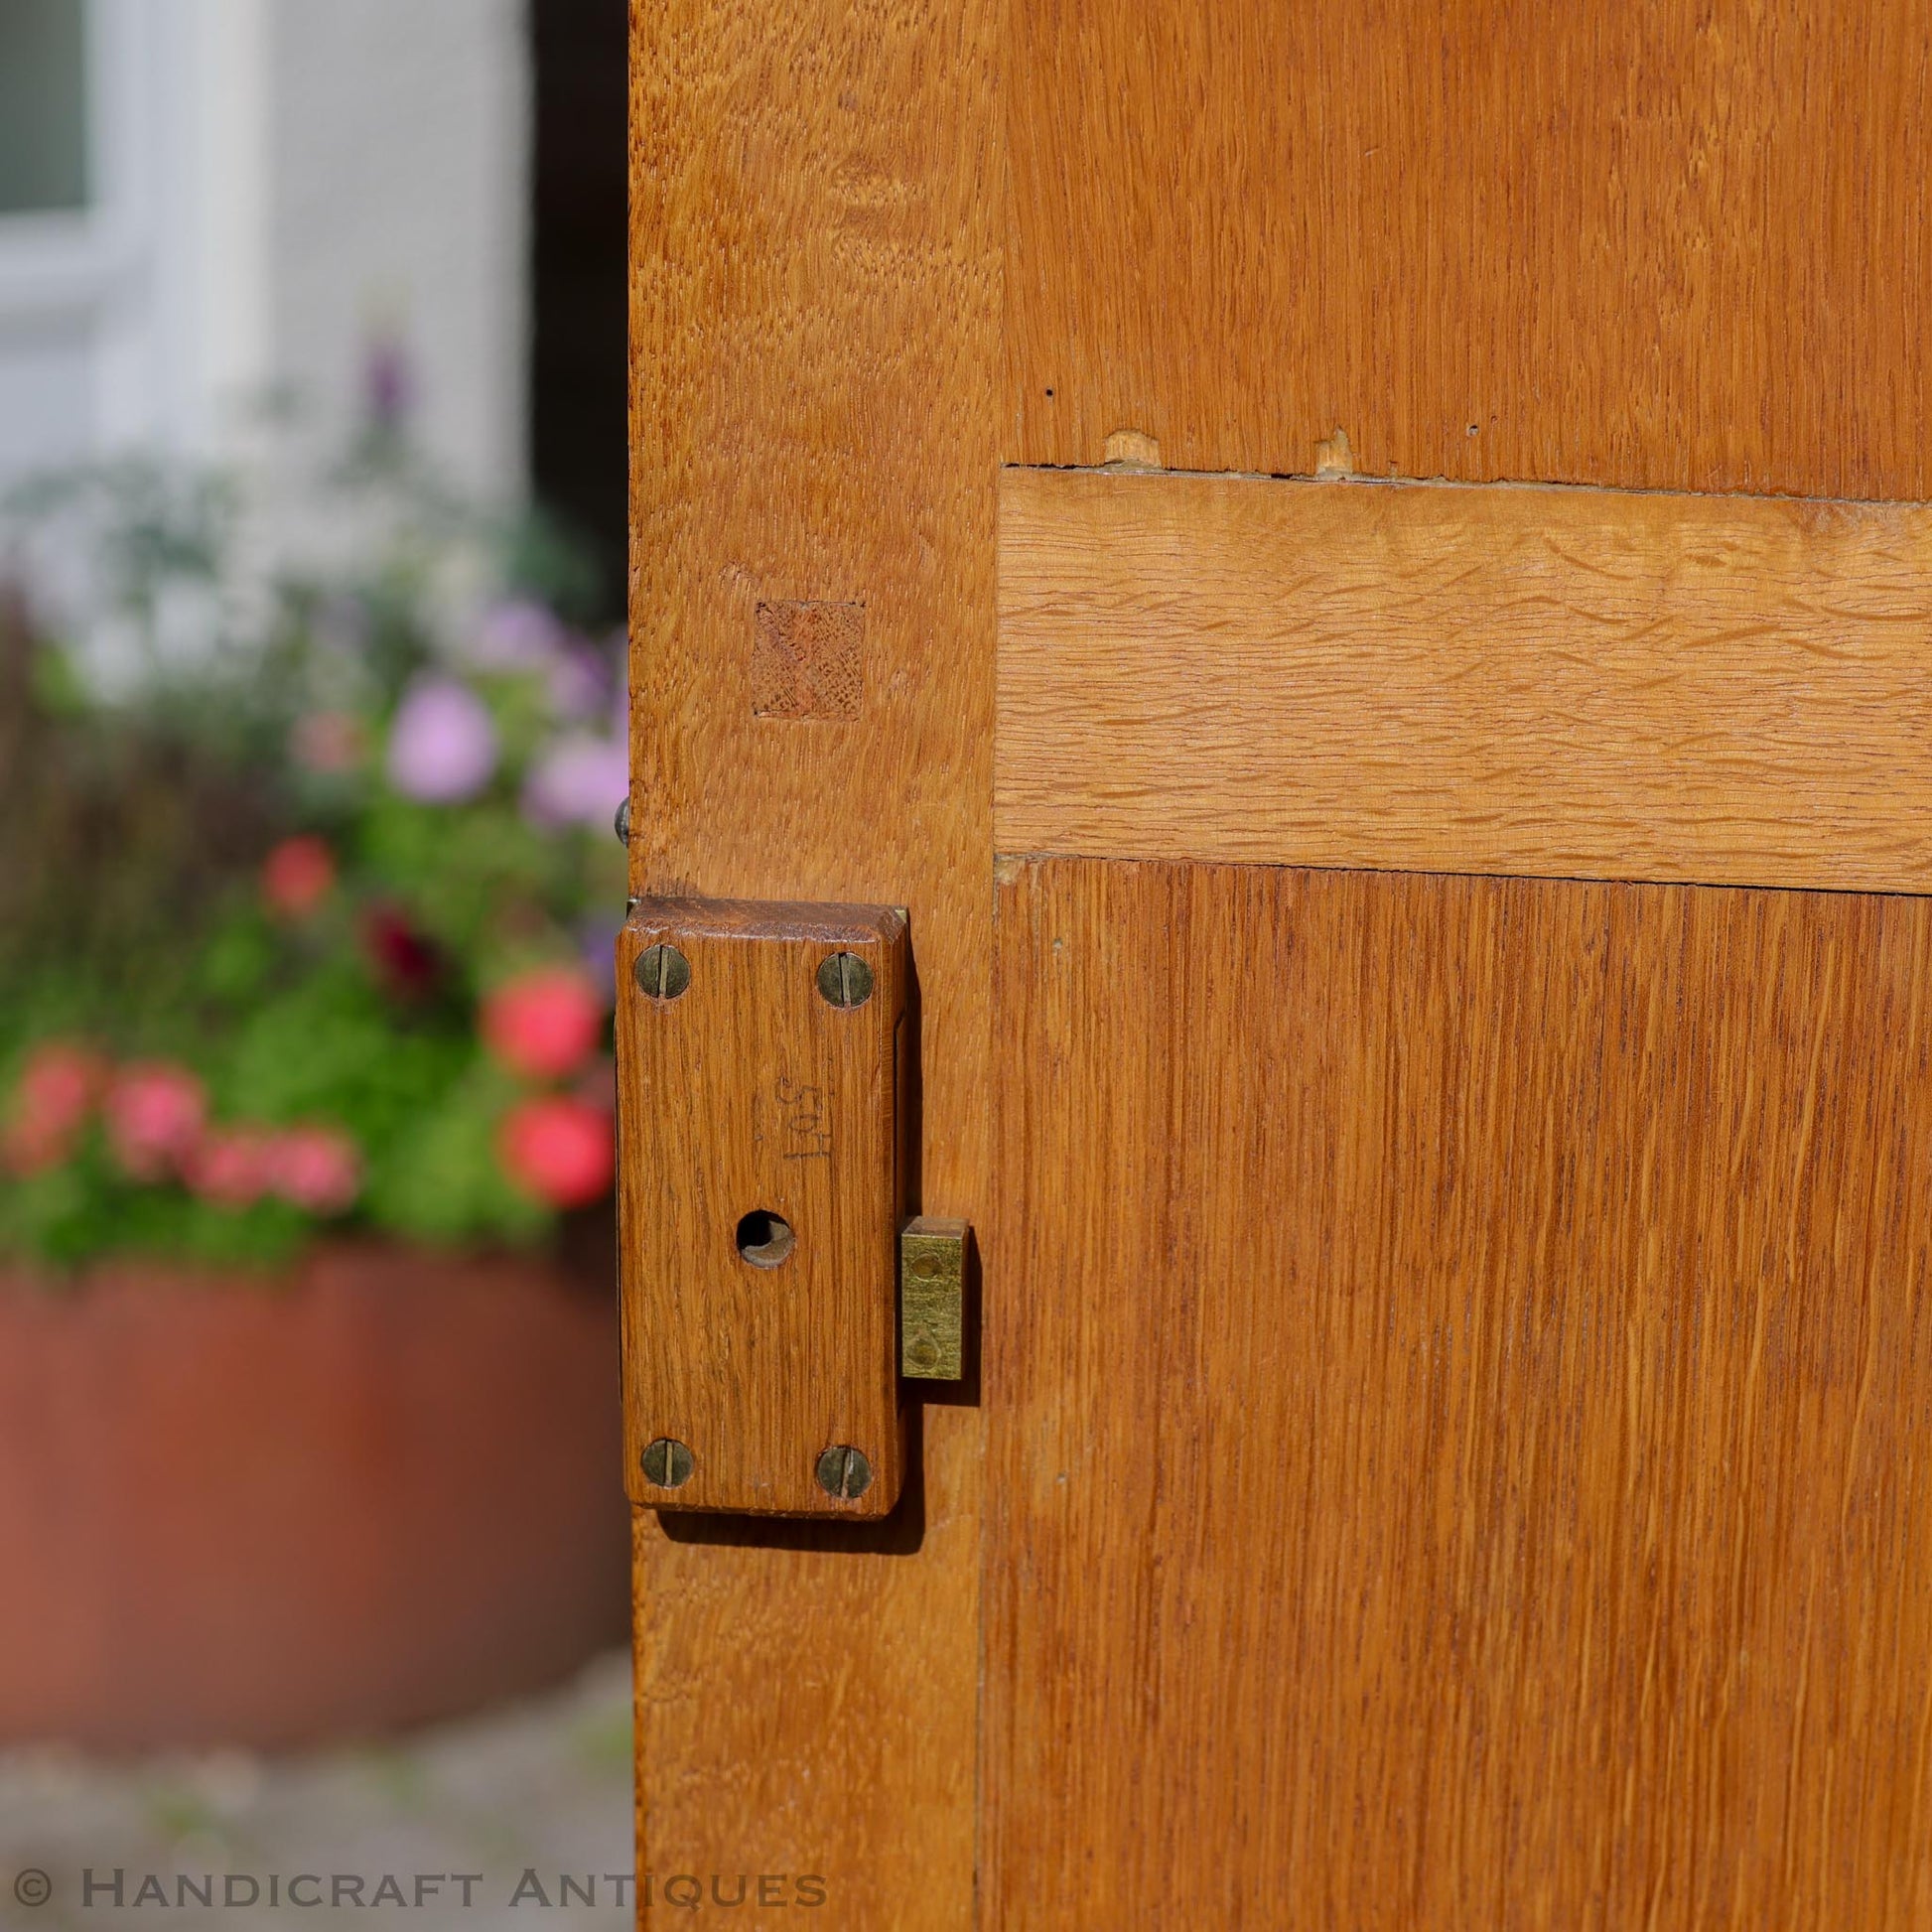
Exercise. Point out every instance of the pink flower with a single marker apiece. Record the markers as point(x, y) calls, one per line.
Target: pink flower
point(443, 744)
point(559, 1149)
point(155, 1113)
point(230, 1167)
point(579, 781)
point(55, 1093)
point(316, 1169)
point(297, 877)
point(327, 742)
point(544, 1024)
point(59, 1084)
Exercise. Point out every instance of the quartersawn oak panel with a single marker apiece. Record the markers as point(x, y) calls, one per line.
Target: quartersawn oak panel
point(1677, 245)
point(1560, 682)
point(1459, 1404)
point(815, 370)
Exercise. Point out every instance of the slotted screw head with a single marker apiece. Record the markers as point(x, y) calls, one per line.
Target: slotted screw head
point(662, 972)
point(844, 1473)
point(845, 980)
point(667, 1463)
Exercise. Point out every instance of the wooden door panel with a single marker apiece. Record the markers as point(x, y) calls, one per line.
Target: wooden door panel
point(1458, 1396)
point(1677, 244)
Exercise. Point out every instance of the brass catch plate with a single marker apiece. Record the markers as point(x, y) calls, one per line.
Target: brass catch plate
point(932, 1299)
point(759, 1194)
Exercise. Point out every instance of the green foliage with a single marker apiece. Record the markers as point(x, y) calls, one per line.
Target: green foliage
point(138, 810)
point(68, 1216)
point(442, 1182)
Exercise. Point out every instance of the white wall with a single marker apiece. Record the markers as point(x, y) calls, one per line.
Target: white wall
point(398, 200)
point(278, 180)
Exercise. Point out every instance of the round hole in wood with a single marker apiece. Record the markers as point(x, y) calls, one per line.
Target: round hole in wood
point(765, 1239)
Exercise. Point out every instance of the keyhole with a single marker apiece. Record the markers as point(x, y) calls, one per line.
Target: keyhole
point(765, 1239)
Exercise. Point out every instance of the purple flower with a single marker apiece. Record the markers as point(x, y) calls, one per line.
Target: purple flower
point(521, 634)
point(386, 383)
point(597, 947)
point(578, 682)
point(443, 744)
point(579, 781)
point(517, 635)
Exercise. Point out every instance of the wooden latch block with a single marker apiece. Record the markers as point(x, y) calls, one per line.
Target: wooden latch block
point(760, 1194)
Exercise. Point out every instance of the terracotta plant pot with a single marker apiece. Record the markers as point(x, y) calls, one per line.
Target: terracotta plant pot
point(232, 1512)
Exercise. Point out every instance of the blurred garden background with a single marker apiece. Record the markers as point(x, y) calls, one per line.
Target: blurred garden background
point(313, 721)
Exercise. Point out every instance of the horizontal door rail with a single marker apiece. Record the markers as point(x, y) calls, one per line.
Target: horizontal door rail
point(1553, 682)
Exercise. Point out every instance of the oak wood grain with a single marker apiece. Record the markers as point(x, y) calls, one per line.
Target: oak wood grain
point(1562, 682)
point(1656, 243)
point(1679, 246)
point(748, 1094)
point(815, 357)
point(1458, 1405)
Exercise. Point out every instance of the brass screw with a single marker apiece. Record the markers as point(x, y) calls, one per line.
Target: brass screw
point(845, 980)
point(623, 821)
point(662, 972)
point(844, 1473)
point(667, 1463)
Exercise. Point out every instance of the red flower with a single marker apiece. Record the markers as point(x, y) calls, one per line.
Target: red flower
point(230, 1167)
point(406, 964)
point(297, 877)
point(315, 1168)
point(545, 1024)
point(155, 1113)
point(55, 1093)
point(559, 1149)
